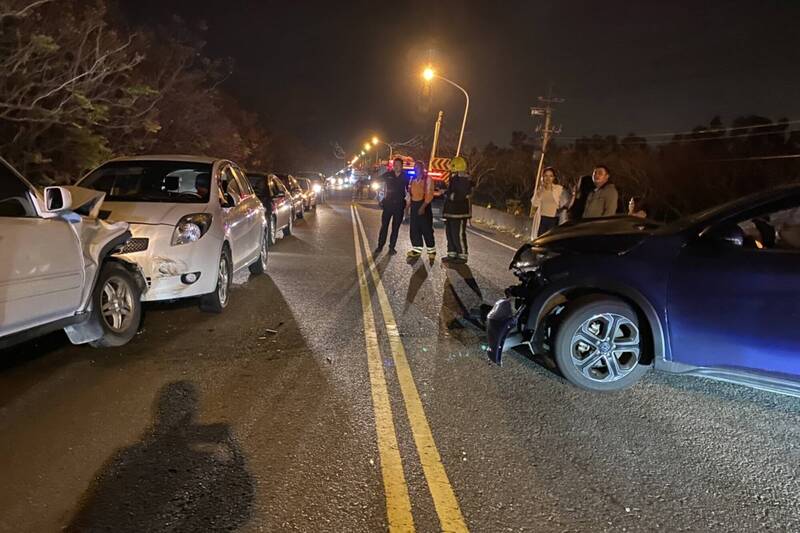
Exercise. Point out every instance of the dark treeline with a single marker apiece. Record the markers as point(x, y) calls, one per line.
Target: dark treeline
point(78, 85)
point(676, 174)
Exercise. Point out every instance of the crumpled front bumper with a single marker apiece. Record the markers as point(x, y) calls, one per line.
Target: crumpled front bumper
point(502, 319)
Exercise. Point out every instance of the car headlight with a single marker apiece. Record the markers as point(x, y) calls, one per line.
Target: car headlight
point(529, 257)
point(190, 228)
point(317, 187)
point(376, 186)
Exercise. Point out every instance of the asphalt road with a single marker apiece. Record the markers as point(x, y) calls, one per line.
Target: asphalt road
point(371, 404)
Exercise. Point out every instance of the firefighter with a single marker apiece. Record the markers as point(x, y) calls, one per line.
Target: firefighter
point(393, 203)
point(457, 210)
point(420, 190)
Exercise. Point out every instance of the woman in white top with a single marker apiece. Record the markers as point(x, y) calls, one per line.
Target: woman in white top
point(549, 203)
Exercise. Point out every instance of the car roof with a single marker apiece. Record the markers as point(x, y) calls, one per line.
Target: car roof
point(171, 157)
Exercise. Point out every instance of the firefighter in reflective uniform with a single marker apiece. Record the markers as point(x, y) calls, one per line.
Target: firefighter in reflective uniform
point(457, 210)
point(420, 191)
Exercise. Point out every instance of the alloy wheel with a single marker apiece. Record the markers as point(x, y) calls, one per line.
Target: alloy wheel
point(116, 304)
point(222, 281)
point(606, 347)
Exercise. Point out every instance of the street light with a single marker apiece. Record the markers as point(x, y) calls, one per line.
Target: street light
point(367, 146)
point(376, 142)
point(428, 74)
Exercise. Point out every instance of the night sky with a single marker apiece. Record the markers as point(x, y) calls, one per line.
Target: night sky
point(341, 71)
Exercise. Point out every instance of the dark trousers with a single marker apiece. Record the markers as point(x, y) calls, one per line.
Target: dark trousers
point(391, 215)
point(422, 226)
point(546, 224)
point(456, 229)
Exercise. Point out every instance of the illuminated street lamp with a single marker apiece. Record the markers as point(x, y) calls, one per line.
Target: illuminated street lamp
point(367, 146)
point(428, 74)
point(376, 142)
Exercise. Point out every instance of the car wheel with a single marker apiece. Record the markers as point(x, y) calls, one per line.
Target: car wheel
point(216, 301)
point(260, 264)
point(117, 305)
point(598, 345)
point(300, 212)
point(273, 231)
point(288, 229)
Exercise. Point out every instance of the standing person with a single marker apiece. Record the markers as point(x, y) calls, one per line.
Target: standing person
point(420, 190)
point(579, 196)
point(603, 200)
point(636, 207)
point(457, 210)
point(548, 202)
point(393, 204)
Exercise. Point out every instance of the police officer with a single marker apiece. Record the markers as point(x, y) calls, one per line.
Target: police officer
point(457, 210)
point(395, 182)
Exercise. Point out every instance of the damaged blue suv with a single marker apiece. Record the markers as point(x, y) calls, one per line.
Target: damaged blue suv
point(716, 294)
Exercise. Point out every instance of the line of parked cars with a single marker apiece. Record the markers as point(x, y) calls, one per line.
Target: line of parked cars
point(183, 226)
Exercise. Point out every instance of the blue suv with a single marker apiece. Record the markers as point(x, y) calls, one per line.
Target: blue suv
point(716, 294)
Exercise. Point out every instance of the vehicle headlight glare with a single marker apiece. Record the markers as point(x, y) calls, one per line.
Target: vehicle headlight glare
point(376, 186)
point(191, 228)
point(317, 187)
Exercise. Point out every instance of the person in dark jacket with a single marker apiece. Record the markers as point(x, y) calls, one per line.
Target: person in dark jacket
point(395, 183)
point(582, 190)
point(457, 210)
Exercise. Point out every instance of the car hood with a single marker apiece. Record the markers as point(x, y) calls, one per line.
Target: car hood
point(149, 212)
point(611, 235)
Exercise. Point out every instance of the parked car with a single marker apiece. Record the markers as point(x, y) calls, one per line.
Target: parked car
point(318, 183)
point(277, 201)
point(59, 268)
point(309, 194)
point(295, 192)
point(716, 294)
point(195, 222)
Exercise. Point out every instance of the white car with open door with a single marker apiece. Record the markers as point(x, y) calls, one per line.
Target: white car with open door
point(195, 222)
point(58, 268)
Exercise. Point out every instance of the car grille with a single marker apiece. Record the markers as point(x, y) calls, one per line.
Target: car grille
point(137, 244)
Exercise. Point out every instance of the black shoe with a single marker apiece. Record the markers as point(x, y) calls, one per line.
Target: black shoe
point(392, 251)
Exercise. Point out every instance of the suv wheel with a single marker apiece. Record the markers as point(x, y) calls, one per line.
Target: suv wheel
point(216, 301)
point(273, 231)
point(598, 346)
point(260, 264)
point(117, 305)
point(288, 229)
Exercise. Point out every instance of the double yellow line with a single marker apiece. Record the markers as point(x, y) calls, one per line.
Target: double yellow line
point(398, 503)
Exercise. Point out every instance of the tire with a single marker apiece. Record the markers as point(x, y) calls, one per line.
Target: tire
point(287, 231)
point(117, 305)
point(301, 212)
point(215, 302)
point(598, 344)
point(273, 231)
point(259, 266)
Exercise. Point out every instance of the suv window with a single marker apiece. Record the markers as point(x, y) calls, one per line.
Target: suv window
point(229, 185)
point(14, 198)
point(244, 184)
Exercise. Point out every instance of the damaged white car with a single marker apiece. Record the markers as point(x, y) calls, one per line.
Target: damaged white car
point(195, 222)
point(58, 269)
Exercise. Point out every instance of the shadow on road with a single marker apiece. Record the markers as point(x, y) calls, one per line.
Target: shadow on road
point(182, 476)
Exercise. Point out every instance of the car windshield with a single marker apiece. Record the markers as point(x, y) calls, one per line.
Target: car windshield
point(152, 181)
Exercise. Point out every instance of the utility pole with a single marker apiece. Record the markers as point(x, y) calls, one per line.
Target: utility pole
point(545, 109)
point(436, 129)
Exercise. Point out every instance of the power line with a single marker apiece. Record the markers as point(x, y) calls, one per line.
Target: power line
point(756, 158)
point(694, 132)
point(704, 139)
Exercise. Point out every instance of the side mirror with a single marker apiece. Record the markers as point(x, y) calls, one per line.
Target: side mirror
point(57, 199)
point(730, 234)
